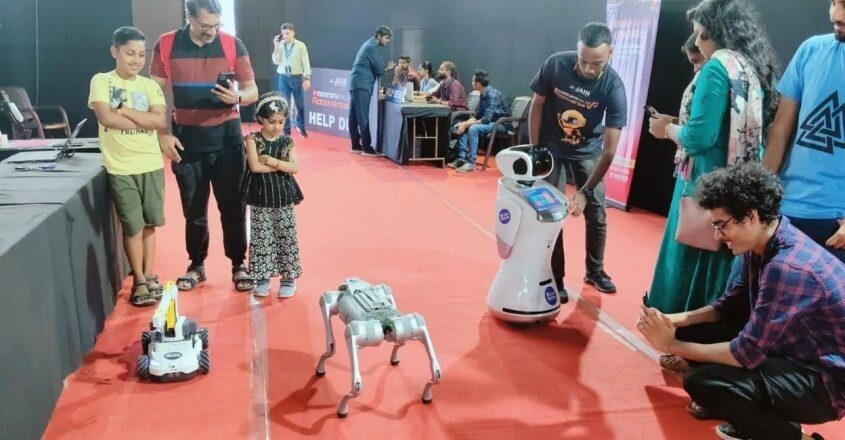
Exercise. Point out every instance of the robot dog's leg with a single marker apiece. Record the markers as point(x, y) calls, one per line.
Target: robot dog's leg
point(412, 326)
point(394, 357)
point(328, 305)
point(358, 334)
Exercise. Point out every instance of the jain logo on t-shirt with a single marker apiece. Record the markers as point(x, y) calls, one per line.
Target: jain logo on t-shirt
point(581, 90)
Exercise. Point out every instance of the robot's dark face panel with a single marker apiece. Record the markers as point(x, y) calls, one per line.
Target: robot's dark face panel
point(541, 160)
point(520, 167)
point(542, 163)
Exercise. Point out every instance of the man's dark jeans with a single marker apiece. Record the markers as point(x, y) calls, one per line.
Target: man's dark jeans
point(594, 216)
point(291, 85)
point(196, 175)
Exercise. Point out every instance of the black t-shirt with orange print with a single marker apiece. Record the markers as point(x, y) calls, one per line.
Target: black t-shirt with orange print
point(572, 125)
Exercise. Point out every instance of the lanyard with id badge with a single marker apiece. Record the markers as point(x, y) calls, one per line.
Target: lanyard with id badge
point(288, 52)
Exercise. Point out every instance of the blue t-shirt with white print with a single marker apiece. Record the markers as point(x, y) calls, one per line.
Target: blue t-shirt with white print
point(814, 174)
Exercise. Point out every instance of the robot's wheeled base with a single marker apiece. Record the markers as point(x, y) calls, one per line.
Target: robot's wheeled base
point(371, 317)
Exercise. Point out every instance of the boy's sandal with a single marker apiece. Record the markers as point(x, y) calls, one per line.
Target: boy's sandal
point(156, 289)
point(243, 282)
point(698, 411)
point(140, 296)
point(189, 281)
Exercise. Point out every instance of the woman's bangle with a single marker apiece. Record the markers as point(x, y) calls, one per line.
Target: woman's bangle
point(666, 132)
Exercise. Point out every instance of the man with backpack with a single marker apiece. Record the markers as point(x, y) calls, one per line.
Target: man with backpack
point(206, 144)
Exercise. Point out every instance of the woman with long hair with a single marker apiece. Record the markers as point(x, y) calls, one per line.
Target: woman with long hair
point(427, 82)
point(723, 117)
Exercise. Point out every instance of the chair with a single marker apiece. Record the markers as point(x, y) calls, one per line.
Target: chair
point(518, 108)
point(30, 113)
point(473, 99)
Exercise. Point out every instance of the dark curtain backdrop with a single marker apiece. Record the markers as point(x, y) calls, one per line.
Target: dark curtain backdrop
point(73, 44)
point(787, 22)
point(508, 39)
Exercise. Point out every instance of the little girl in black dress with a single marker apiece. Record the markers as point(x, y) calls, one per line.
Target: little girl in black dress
point(271, 191)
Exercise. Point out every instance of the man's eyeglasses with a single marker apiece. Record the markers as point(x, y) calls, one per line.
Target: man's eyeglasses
point(207, 27)
point(719, 225)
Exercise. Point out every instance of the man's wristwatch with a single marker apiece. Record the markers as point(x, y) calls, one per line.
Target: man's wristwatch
point(588, 192)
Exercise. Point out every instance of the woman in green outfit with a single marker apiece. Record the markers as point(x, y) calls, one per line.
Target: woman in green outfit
point(723, 115)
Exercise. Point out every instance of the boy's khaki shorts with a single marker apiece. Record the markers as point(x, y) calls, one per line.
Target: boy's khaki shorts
point(138, 200)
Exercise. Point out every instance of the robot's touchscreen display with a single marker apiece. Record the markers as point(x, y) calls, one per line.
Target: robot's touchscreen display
point(542, 199)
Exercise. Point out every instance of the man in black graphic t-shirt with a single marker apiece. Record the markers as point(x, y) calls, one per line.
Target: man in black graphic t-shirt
point(573, 93)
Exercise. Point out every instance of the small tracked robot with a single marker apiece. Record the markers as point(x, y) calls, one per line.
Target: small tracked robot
point(371, 316)
point(174, 349)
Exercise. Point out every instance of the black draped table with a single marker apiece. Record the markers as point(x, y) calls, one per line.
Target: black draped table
point(414, 131)
point(61, 266)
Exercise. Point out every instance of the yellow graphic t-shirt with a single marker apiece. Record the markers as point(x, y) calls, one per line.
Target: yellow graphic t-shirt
point(128, 152)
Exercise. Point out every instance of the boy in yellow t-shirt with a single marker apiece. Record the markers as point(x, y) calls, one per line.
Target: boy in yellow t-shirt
point(130, 108)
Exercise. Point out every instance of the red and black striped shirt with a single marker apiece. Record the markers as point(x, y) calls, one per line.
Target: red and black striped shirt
point(193, 73)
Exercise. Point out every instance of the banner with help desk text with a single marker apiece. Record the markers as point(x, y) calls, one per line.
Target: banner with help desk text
point(634, 27)
point(327, 103)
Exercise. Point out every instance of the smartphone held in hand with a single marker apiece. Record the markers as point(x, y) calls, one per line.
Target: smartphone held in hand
point(223, 79)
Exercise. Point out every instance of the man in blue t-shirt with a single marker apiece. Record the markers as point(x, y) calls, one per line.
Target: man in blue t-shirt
point(573, 92)
point(811, 115)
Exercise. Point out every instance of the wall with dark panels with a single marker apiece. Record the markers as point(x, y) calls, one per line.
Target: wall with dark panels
point(73, 42)
point(509, 39)
point(787, 22)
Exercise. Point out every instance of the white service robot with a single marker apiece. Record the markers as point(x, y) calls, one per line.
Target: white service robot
point(371, 316)
point(530, 212)
point(174, 349)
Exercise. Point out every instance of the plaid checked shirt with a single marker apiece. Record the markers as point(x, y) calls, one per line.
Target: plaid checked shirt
point(796, 292)
point(492, 106)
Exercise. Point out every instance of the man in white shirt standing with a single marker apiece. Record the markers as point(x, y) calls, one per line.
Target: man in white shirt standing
point(294, 73)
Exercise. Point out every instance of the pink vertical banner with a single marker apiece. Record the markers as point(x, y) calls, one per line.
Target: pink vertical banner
point(634, 27)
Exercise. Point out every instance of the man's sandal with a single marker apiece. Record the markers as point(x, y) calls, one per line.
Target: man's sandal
point(188, 282)
point(698, 411)
point(140, 296)
point(675, 363)
point(156, 289)
point(243, 282)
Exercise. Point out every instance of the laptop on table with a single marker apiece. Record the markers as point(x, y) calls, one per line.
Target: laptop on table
point(47, 155)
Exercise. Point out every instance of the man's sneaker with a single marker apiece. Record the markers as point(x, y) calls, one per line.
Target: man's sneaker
point(456, 163)
point(302, 132)
point(286, 289)
point(369, 151)
point(261, 288)
point(355, 151)
point(728, 432)
point(601, 281)
point(466, 167)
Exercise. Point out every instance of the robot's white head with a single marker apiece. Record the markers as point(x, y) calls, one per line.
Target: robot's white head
point(525, 163)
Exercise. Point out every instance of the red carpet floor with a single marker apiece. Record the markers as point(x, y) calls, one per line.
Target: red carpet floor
point(429, 234)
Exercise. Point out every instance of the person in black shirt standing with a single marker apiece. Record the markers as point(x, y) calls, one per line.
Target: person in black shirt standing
point(573, 92)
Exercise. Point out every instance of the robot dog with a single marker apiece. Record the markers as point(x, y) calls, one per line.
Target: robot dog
point(371, 317)
point(530, 214)
point(174, 349)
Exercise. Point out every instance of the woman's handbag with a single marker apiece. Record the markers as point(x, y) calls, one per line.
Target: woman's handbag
point(694, 227)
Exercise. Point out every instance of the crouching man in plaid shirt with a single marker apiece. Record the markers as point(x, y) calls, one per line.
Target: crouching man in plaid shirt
point(769, 354)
